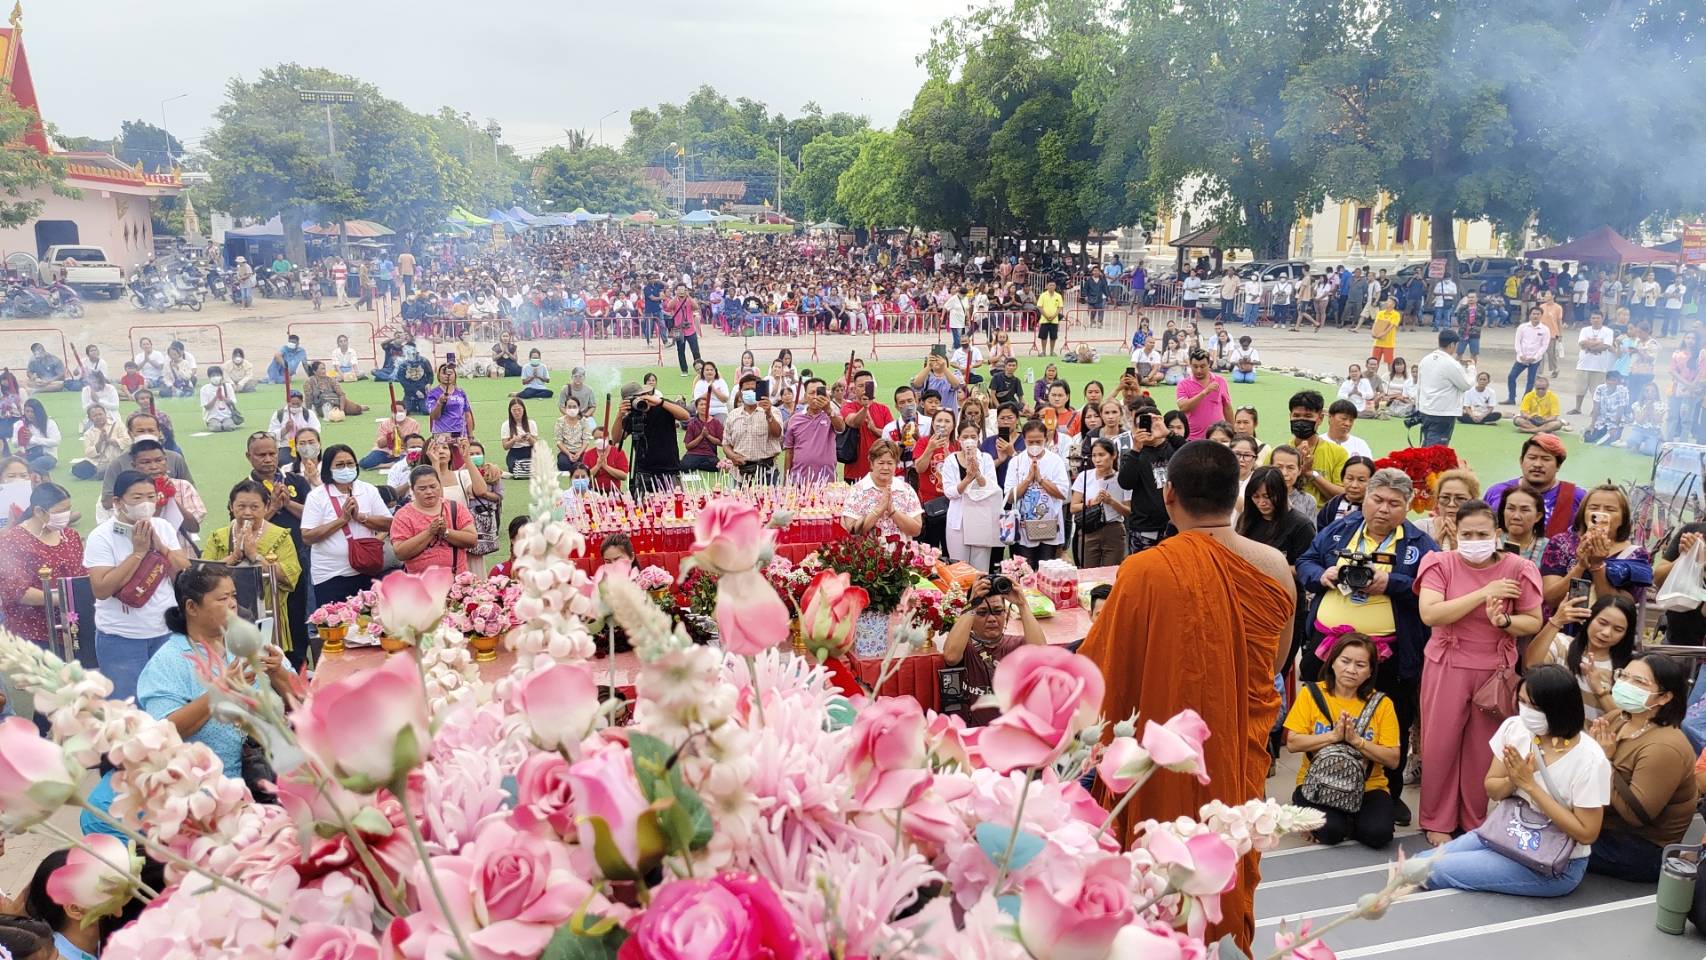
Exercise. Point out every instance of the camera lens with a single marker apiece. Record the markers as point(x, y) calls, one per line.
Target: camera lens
point(1000, 584)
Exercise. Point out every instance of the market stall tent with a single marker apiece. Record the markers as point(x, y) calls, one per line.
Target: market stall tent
point(1604, 245)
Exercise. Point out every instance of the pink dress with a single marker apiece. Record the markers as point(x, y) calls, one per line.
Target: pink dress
point(1459, 658)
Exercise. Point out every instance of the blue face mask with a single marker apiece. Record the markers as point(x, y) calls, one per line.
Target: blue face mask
point(582, 484)
point(748, 397)
point(343, 475)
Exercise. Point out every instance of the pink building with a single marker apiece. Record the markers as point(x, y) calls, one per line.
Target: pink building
point(115, 209)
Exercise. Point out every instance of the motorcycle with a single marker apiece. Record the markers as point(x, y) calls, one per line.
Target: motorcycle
point(147, 294)
point(66, 302)
point(216, 285)
point(182, 293)
point(25, 300)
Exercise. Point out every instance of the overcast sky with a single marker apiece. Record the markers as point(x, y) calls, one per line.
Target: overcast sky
point(534, 65)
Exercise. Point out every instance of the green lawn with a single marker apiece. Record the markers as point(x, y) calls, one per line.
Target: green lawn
point(217, 459)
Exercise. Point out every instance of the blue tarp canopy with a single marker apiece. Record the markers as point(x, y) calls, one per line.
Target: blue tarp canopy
point(700, 216)
point(522, 216)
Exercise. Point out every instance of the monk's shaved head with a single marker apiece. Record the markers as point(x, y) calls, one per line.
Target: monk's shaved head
point(1203, 479)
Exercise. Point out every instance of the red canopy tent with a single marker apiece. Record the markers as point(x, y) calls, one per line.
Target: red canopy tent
point(1604, 245)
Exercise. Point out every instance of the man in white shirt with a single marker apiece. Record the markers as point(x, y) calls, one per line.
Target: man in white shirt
point(1228, 293)
point(1579, 293)
point(1441, 383)
point(1341, 417)
point(967, 353)
point(1444, 302)
point(1191, 292)
point(1283, 314)
point(1357, 390)
point(218, 402)
point(1596, 351)
point(1252, 299)
point(1673, 307)
point(957, 305)
point(1478, 403)
point(1532, 340)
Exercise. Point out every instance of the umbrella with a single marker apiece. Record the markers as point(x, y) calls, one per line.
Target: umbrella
point(352, 228)
point(829, 226)
point(517, 213)
point(461, 216)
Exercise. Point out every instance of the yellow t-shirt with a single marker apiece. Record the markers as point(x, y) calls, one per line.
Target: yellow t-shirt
point(1511, 287)
point(1305, 718)
point(1390, 339)
point(1329, 462)
point(1050, 305)
point(1536, 407)
point(1369, 614)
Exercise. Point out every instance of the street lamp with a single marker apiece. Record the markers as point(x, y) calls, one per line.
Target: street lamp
point(327, 98)
point(169, 162)
point(496, 132)
point(601, 125)
point(681, 152)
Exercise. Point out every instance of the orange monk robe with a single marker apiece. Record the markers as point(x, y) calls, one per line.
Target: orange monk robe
point(1190, 624)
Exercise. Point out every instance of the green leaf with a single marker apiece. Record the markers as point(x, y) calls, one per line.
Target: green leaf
point(681, 814)
point(610, 861)
point(651, 764)
point(570, 944)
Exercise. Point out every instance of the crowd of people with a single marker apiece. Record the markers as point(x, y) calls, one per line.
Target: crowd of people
point(1485, 650)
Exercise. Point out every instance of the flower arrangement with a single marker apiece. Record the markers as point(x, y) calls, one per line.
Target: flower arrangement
point(338, 613)
point(653, 578)
point(1019, 570)
point(482, 607)
point(749, 810)
point(1422, 465)
point(885, 566)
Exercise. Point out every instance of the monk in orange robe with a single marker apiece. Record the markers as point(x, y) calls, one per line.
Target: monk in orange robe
point(1199, 622)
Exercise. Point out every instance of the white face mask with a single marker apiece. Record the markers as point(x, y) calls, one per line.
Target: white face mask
point(399, 416)
point(601, 443)
point(1533, 719)
point(58, 520)
point(141, 511)
point(1477, 551)
point(1035, 450)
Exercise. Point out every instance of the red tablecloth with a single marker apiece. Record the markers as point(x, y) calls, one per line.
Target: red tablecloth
point(671, 561)
point(915, 675)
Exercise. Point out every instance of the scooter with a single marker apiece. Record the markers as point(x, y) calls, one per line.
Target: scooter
point(181, 294)
point(24, 300)
point(216, 286)
point(147, 294)
point(66, 302)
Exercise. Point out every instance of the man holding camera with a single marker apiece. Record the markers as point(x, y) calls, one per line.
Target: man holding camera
point(979, 638)
point(1362, 570)
point(650, 420)
point(1143, 471)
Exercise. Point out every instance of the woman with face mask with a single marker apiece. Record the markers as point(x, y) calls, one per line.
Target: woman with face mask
point(293, 417)
point(131, 559)
point(573, 435)
point(1572, 792)
point(1602, 645)
point(340, 508)
point(43, 538)
point(1653, 789)
point(308, 454)
point(974, 497)
point(1478, 599)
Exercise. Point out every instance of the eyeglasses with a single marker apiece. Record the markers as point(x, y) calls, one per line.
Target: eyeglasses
point(1452, 499)
point(1244, 456)
point(1645, 683)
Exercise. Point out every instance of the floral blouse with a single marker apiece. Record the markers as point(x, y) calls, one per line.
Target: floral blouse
point(1631, 569)
point(865, 496)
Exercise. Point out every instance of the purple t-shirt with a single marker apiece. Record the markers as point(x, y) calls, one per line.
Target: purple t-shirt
point(1211, 409)
point(454, 418)
point(812, 438)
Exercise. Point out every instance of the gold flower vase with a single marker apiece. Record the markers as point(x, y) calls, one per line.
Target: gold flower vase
point(332, 638)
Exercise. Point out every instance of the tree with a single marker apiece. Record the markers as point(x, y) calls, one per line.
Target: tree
point(822, 163)
point(25, 173)
point(597, 178)
point(870, 189)
point(269, 155)
point(487, 172)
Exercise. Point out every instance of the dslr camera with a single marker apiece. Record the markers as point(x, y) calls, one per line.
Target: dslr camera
point(1357, 571)
point(1000, 585)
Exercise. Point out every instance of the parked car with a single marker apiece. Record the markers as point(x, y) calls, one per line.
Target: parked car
point(1270, 272)
point(87, 269)
point(1484, 274)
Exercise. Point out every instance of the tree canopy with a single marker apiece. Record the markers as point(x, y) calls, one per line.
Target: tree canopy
point(23, 170)
point(597, 178)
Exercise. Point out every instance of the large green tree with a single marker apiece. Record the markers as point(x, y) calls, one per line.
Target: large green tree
point(138, 142)
point(597, 178)
point(269, 155)
point(24, 172)
point(822, 162)
point(487, 172)
point(871, 189)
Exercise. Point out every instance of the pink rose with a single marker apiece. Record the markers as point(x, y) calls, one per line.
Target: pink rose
point(507, 891)
point(1124, 765)
point(829, 612)
point(729, 917)
point(886, 757)
point(322, 941)
point(602, 785)
point(728, 536)
point(1177, 744)
point(370, 729)
point(543, 795)
point(91, 885)
point(36, 775)
point(951, 741)
point(1154, 941)
point(1202, 868)
point(560, 704)
point(1046, 695)
point(751, 618)
point(1076, 915)
point(410, 604)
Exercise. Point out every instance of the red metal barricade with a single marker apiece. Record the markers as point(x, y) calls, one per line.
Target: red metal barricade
point(653, 352)
point(18, 347)
point(359, 332)
point(176, 331)
point(1082, 329)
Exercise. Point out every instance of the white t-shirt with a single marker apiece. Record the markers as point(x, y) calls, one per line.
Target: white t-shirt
point(1359, 391)
point(1354, 445)
point(1252, 290)
point(1673, 296)
point(528, 427)
point(958, 360)
point(1193, 288)
point(222, 396)
point(1444, 292)
point(344, 360)
point(1442, 383)
point(1582, 776)
point(1146, 354)
point(330, 557)
point(1602, 360)
point(1090, 485)
point(1239, 354)
point(956, 313)
point(107, 547)
point(1579, 289)
point(1479, 401)
point(152, 364)
point(701, 388)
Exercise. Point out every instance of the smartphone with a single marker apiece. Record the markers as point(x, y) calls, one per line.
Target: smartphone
point(450, 357)
point(1147, 422)
point(1580, 588)
point(870, 389)
point(1131, 371)
point(1512, 548)
point(761, 389)
point(123, 529)
point(1005, 433)
point(265, 626)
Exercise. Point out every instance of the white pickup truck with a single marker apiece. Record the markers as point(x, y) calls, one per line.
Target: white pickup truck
point(87, 268)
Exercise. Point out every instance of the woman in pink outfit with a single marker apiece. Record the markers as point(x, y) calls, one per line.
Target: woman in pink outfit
point(1478, 600)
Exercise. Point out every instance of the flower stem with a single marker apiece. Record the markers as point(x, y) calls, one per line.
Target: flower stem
point(381, 882)
point(421, 851)
point(1013, 838)
point(163, 854)
point(752, 685)
point(1114, 814)
point(146, 893)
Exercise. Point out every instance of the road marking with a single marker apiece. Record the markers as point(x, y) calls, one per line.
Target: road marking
point(1330, 875)
point(1317, 847)
point(1501, 927)
point(1348, 907)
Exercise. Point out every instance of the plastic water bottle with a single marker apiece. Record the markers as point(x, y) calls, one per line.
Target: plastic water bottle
point(1030, 377)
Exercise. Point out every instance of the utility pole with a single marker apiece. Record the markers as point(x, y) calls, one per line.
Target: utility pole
point(494, 131)
point(327, 98)
point(601, 125)
point(169, 161)
point(779, 176)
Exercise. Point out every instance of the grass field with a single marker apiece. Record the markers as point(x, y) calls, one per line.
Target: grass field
point(217, 459)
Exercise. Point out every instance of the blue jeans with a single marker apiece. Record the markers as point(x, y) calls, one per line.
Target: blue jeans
point(1243, 376)
point(1436, 430)
point(1467, 863)
point(1251, 311)
point(121, 659)
point(1442, 317)
point(374, 459)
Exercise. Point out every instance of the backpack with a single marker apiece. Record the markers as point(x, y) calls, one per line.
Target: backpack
point(1337, 772)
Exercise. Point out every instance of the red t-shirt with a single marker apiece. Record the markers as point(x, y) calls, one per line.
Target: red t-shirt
point(929, 471)
point(878, 417)
point(600, 481)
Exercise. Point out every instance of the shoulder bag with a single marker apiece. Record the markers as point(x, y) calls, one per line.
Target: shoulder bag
point(150, 573)
point(1093, 517)
point(1517, 830)
point(1338, 773)
point(1496, 696)
point(366, 554)
point(847, 444)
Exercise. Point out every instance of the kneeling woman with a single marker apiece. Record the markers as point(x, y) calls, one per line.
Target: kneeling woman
point(1331, 711)
point(1653, 793)
point(1540, 757)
